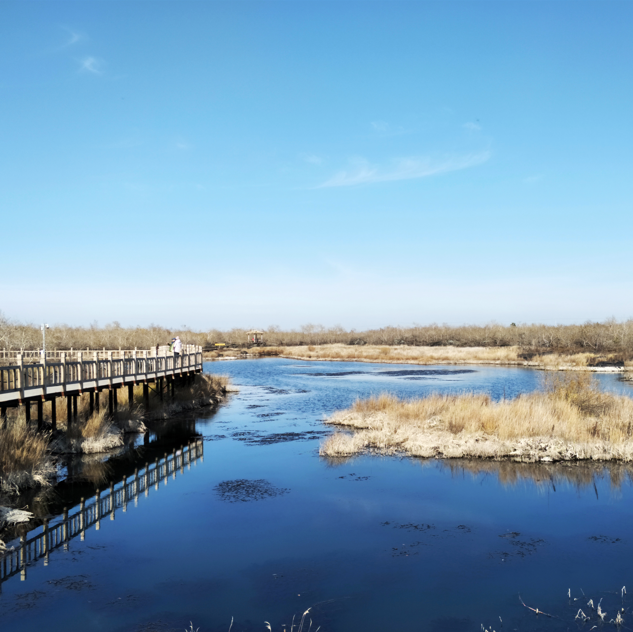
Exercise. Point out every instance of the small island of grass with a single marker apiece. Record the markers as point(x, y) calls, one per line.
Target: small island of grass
point(569, 419)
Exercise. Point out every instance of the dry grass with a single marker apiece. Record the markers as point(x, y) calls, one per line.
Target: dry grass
point(397, 355)
point(24, 457)
point(570, 419)
point(204, 387)
point(96, 434)
point(427, 355)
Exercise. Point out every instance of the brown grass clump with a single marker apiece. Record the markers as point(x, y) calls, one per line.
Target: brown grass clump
point(570, 419)
point(403, 354)
point(24, 457)
point(204, 387)
point(96, 434)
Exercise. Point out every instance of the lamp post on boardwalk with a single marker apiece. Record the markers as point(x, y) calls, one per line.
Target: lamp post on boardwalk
point(44, 328)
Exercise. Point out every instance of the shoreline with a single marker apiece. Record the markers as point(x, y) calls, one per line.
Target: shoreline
point(527, 364)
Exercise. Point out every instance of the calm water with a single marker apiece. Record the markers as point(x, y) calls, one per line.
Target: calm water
point(372, 544)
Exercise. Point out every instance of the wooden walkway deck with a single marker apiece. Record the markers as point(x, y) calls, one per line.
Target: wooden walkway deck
point(41, 541)
point(24, 380)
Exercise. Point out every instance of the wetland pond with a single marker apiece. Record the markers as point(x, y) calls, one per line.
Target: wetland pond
point(262, 528)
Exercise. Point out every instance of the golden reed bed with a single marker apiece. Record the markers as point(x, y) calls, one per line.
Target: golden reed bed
point(569, 419)
point(403, 354)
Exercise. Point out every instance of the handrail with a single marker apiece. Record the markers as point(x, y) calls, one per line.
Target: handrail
point(39, 546)
point(37, 355)
point(92, 370)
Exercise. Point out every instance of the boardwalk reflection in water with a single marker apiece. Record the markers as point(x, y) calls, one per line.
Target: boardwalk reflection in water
point(69, 525)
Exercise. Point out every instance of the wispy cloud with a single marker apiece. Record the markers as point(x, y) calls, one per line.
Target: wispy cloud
point(311, 158)
point(91, 65)
point(73, 38)
point(402, 169)
point(182, 144)
point(382, 128)
point(472, 127)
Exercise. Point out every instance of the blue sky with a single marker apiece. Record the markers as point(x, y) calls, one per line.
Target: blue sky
point(362, 163)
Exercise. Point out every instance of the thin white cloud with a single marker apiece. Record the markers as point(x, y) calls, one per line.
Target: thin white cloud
point(73, 37)
point(92, 65)
point(472, 127)
point(381, 126)
point(403, 169)
point(182, 144)
point(311, 158)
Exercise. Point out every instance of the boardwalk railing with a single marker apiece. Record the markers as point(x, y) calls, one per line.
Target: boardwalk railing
point(55, 355)
point(92, 371)
point(103, 506)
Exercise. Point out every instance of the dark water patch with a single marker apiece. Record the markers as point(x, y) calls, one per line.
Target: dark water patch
point(276, 391)
point(604, 539)
point(422, 372)
point(412, 526)
point(244, 490)
point(284, 437)
point(406, 550)
point(72, 582)
point(250, 406)
point(337, 374)
point(354, 477)
point(217, 437)
point(266, 415)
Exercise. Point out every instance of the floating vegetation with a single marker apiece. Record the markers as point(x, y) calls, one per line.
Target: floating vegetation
point(245, 490)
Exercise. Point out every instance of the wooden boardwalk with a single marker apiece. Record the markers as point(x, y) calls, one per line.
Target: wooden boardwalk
point(27, 378)
point(41, 541)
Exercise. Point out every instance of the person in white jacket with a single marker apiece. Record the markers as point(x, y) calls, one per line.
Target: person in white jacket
point(177, 349)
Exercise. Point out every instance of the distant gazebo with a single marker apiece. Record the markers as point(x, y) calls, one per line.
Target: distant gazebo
point(255, 337)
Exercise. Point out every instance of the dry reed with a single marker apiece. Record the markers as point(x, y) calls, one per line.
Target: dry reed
point(570, 419)
point(24, 457)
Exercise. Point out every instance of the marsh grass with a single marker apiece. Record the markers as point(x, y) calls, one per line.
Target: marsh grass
point(570, 418)
point(403, 354)
point(24, 457)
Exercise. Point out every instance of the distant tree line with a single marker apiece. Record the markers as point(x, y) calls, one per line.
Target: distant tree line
point(608, 337)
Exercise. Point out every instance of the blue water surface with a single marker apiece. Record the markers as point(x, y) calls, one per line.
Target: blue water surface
point(372, 543)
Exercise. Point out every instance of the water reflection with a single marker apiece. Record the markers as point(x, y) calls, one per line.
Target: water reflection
point(581, 475)
point(38, 543)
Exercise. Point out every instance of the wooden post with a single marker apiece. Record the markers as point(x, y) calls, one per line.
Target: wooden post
point(97, 509)
point(160, 388)
point(130, 395)
point(146, 396)
point(23, 557)
point(75, 407)
point(92, 403)
point(3, 416)
point(20, 376)
point(27, 411)
point(97, 398)
point(110, 403)
point(82, 520)
point(45, 541)
point(40, 414)
point(80, 368)
point(54, 413)
point(112, 503)
point(65, 528)
point(69, 410)
point(116, 403)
